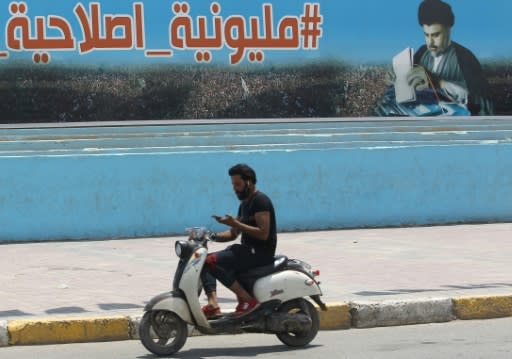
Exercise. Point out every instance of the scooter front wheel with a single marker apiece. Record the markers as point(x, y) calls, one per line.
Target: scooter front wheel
point(162, 332)
point(300, 339)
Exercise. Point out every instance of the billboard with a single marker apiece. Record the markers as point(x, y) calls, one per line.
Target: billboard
point(152, 60)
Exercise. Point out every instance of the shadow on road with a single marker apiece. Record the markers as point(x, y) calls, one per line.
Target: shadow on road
point(245, 352)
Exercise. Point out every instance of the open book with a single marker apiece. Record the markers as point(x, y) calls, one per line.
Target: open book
point(402, 64)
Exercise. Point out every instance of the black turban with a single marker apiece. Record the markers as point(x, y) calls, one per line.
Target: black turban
point(435, 12)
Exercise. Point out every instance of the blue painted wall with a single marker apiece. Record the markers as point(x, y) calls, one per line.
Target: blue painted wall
point(133, 181)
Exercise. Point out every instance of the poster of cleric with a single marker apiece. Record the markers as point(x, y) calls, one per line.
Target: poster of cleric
point(111, 60)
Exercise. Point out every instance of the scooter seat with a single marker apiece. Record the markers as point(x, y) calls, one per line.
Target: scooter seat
point(258, 272)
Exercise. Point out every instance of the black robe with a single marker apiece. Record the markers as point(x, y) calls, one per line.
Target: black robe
point(461, 67)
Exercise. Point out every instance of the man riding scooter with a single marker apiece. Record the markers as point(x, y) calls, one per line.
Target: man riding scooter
point(256, 223)
point(273, 292)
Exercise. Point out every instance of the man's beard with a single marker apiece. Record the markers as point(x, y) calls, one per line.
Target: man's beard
point(437, 51)
point(243, 194)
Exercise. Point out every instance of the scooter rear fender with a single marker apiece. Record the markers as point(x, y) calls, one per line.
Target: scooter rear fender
point(172, 302)
point(284, 286)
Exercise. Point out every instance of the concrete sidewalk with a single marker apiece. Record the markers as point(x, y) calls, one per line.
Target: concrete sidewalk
point(95, 290)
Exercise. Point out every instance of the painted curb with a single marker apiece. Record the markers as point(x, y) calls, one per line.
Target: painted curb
point(68, 330)
point(4, 337)
point(392, 313)
point(338, 316)
point(484, 307)
point(134, 326)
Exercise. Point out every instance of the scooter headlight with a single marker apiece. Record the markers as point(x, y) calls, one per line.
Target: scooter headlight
point(183, 249)
point(178, 249)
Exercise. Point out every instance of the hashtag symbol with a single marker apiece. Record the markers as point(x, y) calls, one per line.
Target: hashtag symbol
point(311, 30)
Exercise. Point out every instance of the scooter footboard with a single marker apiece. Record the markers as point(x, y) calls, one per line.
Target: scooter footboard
point(172, 303)
point(284, 286)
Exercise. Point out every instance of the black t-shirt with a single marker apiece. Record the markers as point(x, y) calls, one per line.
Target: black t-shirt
point(259, 202)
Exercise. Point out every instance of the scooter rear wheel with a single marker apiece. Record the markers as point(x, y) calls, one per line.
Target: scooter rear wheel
point(163, 333)
point(300, 339)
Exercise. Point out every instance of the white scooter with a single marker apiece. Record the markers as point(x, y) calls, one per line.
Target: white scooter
point(280, 288)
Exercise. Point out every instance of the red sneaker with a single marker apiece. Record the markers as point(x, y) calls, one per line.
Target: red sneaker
point(246, 307)
point(211, 312)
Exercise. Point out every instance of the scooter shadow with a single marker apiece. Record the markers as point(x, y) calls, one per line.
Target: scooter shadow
point(245, 352)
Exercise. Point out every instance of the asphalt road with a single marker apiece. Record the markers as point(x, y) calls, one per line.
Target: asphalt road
point(489, 339)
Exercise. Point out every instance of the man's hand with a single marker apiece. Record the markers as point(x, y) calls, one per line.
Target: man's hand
point(418, 78)
point(455, 92)
point(228, 220)
point(390, 77)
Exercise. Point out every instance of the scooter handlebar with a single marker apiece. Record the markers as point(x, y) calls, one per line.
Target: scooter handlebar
point(200, 234)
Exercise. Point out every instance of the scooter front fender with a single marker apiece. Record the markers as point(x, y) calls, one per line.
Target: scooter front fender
point(171, 302)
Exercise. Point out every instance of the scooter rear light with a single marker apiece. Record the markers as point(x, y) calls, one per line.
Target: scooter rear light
point(316, 272)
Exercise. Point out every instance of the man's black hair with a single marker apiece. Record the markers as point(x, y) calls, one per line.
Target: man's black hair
point(244, 171)
point(435, 12)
